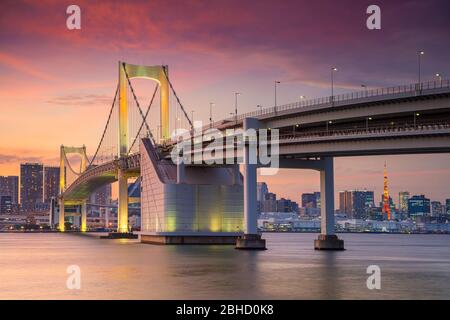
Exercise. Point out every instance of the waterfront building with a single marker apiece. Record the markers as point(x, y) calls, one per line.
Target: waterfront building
point(309, 200)
point(51, 183)
point(418, 206)
point(9, 186)
point(6, 205)
point(345, 203)
point(437, 209)
point(31, 185)
point(403, 197)
point(262, 190)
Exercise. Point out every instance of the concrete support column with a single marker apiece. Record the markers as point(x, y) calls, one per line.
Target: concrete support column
point(327, 239)
point(327, 197)
point(250, 189)
point(122, 210)
point(180, 172)
point(236, 174)
point(251, 239)
point(61, 215)
point(83, 217)
point(107, 218)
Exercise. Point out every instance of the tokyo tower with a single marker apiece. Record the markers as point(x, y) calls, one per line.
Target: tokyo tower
point(386, 206)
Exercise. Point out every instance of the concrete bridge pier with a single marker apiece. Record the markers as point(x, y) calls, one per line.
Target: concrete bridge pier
point(251, 239)
point(61, 215)
point(83, 227)
point(122, 210)
point(327, 239)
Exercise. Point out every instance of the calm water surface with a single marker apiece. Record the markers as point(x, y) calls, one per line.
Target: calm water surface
point(33, 266)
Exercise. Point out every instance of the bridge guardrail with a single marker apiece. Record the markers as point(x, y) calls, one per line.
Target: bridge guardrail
point(372, 130)
point(411, 88)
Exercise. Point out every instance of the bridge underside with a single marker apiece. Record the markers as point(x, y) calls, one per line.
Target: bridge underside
point(341, 147)
point(83, 190)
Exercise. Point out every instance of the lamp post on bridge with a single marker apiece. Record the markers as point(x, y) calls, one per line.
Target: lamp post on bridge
point(333, 70)
point(210, 114)
point(419, 55)
point(364, 87)
point(439, 77)
point(276, 82)
point(328, 122)
point(416, 114)
point(367, 123)
point(236, 94)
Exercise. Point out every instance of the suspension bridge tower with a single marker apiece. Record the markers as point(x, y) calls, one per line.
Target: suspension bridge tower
point(127, 72)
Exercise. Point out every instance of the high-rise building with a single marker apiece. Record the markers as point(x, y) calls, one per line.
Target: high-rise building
point(437, 209)
point(284, 205)
point(361, 202)
point(418, 205)
point(370, 199)
point(261, 191)
point(271, 196)
point(318, 203)
point(51, 183)
point(102, 196)
point(403, 197)
point(447, 206)
point(31, 185)
point(9, 186)
point(309, 200)
point(269, 204)
point(6, 204)
point(345, 203)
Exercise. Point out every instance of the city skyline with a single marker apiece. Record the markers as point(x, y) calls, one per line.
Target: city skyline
point(280, 190)
point(226, 55)
point(225, 155)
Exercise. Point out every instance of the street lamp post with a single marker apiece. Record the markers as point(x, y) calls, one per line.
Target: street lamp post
point(415, 119)
point(420, 54)
point(367, 123)
point(328, 122)
point(365, 89)
point(260, 108)
point(439, 76)
point(236, 104)
point(210, 114)
point(276, 82)
point(333, 70)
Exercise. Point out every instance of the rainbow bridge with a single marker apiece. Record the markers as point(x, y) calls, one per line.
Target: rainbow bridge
point(202, 203)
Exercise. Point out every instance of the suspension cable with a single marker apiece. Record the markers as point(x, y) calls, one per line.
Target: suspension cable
point(138, 105)
point(145, 119)
point(176, 96)
point(106, 127)
point(67, 162)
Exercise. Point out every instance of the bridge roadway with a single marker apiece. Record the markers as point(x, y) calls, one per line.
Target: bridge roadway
point(398, 120)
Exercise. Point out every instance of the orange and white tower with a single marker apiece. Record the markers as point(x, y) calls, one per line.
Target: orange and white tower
point(386, 205)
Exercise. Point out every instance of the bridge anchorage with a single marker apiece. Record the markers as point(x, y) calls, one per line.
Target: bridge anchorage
point(197, 203)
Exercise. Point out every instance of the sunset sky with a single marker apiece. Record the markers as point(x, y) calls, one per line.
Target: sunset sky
point(57, 85)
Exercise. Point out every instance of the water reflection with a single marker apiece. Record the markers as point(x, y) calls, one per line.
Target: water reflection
point(34, 266)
